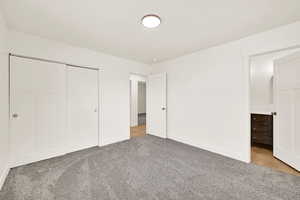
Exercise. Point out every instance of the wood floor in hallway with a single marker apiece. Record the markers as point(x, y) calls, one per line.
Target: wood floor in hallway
point(264, 157)
point(138, 131)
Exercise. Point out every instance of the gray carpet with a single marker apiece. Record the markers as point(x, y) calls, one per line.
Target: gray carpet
point(147, 168)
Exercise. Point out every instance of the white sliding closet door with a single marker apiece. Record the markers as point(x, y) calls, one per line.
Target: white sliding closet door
point(38, 110)
point(82, 107)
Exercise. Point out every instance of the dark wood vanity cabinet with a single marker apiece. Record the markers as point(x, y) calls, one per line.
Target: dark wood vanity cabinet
point(262, 129)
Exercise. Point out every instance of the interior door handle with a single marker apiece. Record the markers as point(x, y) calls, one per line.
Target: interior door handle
point(15, 115)
point(163, 108)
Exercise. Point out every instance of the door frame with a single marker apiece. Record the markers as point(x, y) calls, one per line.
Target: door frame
point(247, 57)
point(100, 113)
point(130, 107)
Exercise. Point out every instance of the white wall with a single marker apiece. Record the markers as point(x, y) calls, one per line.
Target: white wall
point(141, 97)
point(208, 92)
point(114, 79)
point(261, 73)
point(4, 140)
point(134, 97)
point(261, 80)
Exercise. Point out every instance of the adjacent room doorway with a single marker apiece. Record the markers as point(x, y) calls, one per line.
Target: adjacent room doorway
point(148, 105)
point(275, 110)
point(138, 95)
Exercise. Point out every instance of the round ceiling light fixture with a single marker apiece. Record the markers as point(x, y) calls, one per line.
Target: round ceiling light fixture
point(151, 21)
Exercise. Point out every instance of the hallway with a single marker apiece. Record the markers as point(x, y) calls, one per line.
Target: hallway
point(138, 131)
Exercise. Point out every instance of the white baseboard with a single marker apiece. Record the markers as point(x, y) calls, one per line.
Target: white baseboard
point(33, 159)
point(223, 152)
point(3, 176)
point(153, 134)
point(105, 143)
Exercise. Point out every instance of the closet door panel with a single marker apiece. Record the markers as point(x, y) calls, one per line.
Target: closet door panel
point(82, 108)
point(38, 110)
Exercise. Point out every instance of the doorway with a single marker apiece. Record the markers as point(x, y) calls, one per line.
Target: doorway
point(138, 98)
point(265, 121)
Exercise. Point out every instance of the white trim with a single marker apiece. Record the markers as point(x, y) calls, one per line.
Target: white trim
point(222, 152)
point(115, 141)
point(163, 137)
point(100, 108)
point(4, 176)
point(30, 160)
point(54, 61)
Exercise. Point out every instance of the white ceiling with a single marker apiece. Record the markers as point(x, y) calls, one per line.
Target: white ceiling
point(114, 26)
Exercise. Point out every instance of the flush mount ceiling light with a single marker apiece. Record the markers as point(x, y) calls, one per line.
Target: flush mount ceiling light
point(151, 21)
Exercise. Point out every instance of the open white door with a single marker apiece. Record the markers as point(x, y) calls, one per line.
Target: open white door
point(287, 106)
point(157, 105)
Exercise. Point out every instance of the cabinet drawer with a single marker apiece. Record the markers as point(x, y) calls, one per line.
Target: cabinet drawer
point(259, 134)
point(265, 123)
point(261, 118)
point(262, 129)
